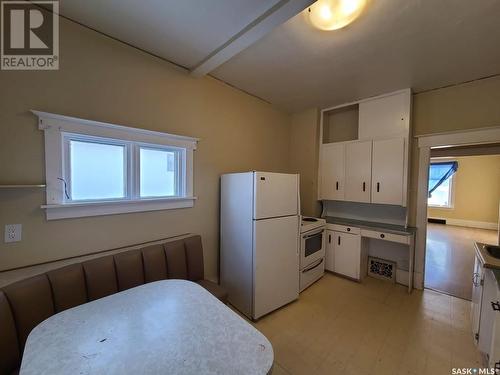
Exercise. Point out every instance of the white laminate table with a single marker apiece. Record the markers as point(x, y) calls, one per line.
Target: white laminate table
point(164, 327)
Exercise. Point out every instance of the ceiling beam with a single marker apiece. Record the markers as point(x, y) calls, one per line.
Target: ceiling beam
point(281, 12)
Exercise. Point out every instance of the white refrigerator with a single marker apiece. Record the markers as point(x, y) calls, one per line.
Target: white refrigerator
point(259, 236)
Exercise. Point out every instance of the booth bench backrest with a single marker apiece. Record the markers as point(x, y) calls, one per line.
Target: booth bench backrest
point(26, 303)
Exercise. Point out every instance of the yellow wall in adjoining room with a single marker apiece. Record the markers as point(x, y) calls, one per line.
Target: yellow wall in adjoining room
point(104, 80)
point(476, 186)
point(471, 105)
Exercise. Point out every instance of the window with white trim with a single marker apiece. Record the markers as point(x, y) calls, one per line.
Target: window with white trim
point(97, 168)
point(442, 197)
point(441, 182)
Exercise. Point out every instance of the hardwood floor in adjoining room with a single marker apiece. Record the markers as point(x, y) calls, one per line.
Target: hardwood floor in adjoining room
point(449, 258)
point(342, 327)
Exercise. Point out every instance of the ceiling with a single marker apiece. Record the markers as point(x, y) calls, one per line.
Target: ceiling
point(184, 32)
point(198, 35)
point(422, 44)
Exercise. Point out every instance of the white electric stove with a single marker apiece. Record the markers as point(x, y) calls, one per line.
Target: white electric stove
point(308, 223)
point(312, 250)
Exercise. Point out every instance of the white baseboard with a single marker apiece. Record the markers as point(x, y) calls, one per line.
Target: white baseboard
point(469, 223)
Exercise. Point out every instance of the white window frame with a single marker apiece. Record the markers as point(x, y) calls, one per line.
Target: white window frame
point(59, 129)
point(180, 183)
point(66, 170)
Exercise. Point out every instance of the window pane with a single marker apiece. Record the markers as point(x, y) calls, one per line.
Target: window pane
point(97, 170)
point(441, 196)
point(158, 173)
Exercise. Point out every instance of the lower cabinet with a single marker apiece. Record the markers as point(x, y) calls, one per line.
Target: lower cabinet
point(494, 352)
point(343, 253)
point(485, 312)
point(477, 297)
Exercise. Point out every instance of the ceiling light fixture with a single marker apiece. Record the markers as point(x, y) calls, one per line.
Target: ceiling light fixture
point(335, 14)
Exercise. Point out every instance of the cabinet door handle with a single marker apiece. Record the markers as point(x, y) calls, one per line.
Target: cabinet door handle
point(378, 187)
point(495, 305)
point(338, 241)
point(382, 235)
point(364, 186)
point(329, 238)
point(337, 185)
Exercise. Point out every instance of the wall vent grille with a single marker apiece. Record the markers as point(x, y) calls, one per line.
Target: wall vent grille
point(382, 269)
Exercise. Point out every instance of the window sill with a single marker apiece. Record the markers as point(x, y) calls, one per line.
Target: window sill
point(85, 209)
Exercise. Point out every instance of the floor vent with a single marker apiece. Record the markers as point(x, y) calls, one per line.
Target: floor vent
point(436, 221)
point(382, 269)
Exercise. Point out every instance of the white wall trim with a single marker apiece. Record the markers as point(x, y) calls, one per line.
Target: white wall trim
point(468, 223)
point(418, 280)
point(425, 143)
point(77, 125)
point(457, 138)
point(73, 210)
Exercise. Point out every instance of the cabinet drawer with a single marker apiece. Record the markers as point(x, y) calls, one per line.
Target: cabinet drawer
point(343, 228)
point(385, 236)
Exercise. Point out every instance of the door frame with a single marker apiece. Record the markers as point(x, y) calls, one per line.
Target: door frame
point(425, 143)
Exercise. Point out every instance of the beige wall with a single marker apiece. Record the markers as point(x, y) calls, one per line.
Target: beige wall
point(476, 186)
point(304, 157)
point(470, 105)
point(104, 80)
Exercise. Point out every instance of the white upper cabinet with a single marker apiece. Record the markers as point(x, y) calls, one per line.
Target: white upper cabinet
point(387, 116)
point(358, 171)
point(388, 168)
point(364, 151)
point(331, 174)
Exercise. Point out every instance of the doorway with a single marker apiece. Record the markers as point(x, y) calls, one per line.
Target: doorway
point(462, 208)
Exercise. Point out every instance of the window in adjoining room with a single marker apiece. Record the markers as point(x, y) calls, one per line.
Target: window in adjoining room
point(441, 184)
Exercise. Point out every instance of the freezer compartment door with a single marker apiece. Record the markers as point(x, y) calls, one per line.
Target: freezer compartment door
point(276, 263)
point(275, 194)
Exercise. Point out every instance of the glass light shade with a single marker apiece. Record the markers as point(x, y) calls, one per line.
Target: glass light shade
point(335, 14)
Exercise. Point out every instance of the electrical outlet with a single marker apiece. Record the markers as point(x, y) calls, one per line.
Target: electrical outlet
point(13, 232)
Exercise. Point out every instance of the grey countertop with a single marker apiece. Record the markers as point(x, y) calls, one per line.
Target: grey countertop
point(170, 326)
point(383, 227)
point(487, 260)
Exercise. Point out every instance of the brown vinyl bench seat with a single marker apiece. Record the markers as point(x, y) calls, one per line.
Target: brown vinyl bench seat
point(26, 303)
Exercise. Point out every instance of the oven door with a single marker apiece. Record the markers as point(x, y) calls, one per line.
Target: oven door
point(312, 246)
